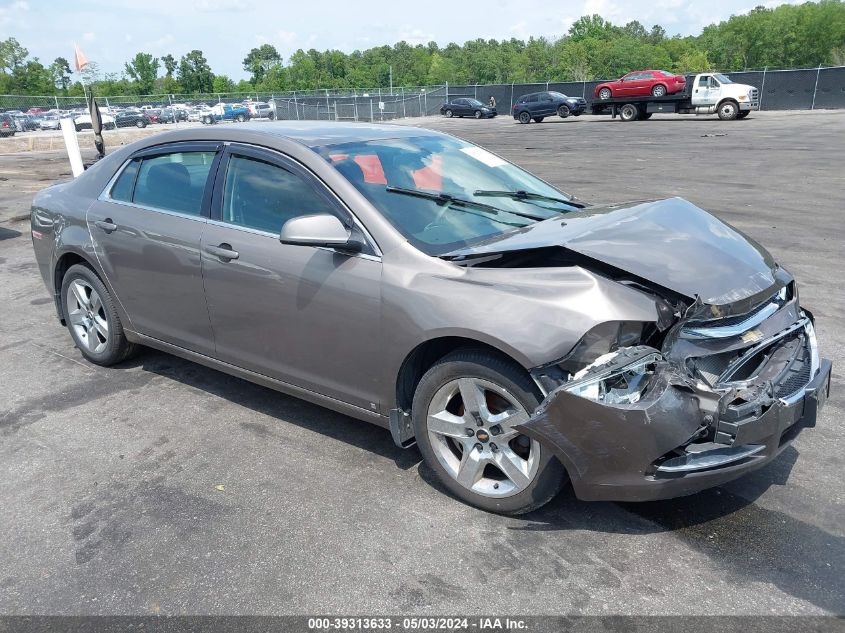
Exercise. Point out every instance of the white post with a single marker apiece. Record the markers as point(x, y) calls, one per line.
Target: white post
point(762, 88)
point(816, 87)
point(56, 99)
point(72, 146)
point(425, 101)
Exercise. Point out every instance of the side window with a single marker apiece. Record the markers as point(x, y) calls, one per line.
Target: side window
point(532, 99)
point(547, 97)
point(262, 196)
point(174, 182)
point(122, 188)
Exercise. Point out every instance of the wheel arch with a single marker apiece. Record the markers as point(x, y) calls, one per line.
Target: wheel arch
point(420, 359)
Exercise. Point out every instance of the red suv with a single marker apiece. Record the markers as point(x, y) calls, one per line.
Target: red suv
point(642, 83)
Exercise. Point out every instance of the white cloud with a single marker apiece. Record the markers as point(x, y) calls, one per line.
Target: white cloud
point(220, 6)
point(89, 36)
point(415, 36)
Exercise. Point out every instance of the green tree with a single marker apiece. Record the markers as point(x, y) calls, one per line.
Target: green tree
point(194, 73)
point(60, 74)
point(143, 70)
point(170, 64)
point(12, 55)
point(259, 60)
point(223, 84)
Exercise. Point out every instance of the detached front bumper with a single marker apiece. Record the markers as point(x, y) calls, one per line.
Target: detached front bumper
point(657, 448)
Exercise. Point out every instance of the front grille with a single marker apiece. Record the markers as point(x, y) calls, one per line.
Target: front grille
point(787, 363)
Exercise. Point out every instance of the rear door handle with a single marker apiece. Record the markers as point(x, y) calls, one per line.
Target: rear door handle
point(107, 225)
point(223, 251)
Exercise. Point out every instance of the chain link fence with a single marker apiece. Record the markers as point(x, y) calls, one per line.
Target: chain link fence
point(802, 89)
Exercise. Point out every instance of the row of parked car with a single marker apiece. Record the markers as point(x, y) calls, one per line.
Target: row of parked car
point(34, 119)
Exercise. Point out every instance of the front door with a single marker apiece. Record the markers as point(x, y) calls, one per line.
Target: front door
point(300, 314)
point(146, 231)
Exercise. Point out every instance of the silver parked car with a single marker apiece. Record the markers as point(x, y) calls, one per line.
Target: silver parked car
point(419, 282)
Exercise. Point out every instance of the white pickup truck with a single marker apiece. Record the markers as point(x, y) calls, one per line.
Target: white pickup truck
point(706, 93)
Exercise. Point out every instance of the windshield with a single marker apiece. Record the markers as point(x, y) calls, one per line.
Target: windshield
point(474, 102)
point(722, 79)
point(558, 95)
point(435, 165)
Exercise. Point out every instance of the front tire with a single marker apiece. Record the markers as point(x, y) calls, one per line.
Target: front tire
point(728, 110)
point(477, 114)
point(524, 117)
point(605, 94)
point(140, 124)
point(241, 118)
point(92, 319)
point(563, 111)
point(494, 468)
point(448, 114)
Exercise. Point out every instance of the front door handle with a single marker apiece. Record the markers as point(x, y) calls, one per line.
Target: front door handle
point(107, 225)
point(223, 251)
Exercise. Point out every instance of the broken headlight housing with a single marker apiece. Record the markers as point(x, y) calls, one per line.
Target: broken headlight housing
point(619, 377)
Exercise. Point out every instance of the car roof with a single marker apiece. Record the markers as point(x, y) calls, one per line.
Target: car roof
point(314, 134)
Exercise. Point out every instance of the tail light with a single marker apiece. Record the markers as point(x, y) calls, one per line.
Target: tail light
point(5, 124)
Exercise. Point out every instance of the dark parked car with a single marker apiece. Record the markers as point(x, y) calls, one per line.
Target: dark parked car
point(414, 280)
point(467, 107)
point(172, 115)
point(7, 125)
point(129, 118)
point(536, 106)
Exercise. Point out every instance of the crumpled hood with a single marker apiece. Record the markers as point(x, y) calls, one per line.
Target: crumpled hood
point(670, 242)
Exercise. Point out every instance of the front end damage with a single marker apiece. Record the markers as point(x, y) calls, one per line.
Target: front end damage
point(719, 393)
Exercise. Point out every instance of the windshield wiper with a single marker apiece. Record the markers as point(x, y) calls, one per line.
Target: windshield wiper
point(526, 195)
point(445, 198)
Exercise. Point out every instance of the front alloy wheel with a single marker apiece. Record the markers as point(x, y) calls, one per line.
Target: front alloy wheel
point(448, 114)
point(604, 94)
point(465, 412)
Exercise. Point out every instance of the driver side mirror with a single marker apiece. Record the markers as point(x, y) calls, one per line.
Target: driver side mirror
point(321, 229)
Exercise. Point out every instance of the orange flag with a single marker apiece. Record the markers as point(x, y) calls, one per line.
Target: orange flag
point(81, 60)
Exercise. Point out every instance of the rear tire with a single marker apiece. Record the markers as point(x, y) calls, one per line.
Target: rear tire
point(469, 466)
point(658, 91)
point(92, 319)
point(140, 124)
point(524, 117)
point(241, 118)
point(629, 112)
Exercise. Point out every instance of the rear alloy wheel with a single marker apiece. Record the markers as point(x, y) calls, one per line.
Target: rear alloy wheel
point(448, 114)
point(241, 118)
point(728, 111)
point(464, 413)
point(605, 94)
point(629, 112)
point(524, 117)
point(478, 114)
point(563, 111)
point(658, 91)
point(91, 317)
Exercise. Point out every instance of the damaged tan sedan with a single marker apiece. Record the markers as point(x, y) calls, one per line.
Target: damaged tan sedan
point(407, 278)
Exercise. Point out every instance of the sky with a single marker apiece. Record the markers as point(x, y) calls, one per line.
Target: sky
point(110, 32)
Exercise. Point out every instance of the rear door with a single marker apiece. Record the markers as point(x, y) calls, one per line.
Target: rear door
point(146, 228)
point(300, 314)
